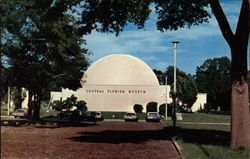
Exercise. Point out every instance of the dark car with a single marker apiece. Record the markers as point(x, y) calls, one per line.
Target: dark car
point(130, 116)
point(96, 116)
point(21, 113)
point(153, 116)
point(76, 114)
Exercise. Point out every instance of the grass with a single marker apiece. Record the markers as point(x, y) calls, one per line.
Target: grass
point(4, 110)
point(199, 141)
point(205, 117)
point(48, 113)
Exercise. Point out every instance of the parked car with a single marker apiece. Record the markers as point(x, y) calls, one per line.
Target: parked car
point(96, 116)
point(153, 116)
point(21, 113)
point(130, 116)
point(76, 114)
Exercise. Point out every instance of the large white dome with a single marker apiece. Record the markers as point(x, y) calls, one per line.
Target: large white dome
point(119, 69)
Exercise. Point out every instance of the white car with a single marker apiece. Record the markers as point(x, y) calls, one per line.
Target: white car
point(96, 116)
point(21, 113)
point(130, 116)
point(153, 116)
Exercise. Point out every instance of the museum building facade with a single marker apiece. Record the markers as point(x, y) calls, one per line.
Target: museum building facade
point(116, 83)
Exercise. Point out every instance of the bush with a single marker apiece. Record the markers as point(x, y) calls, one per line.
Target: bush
point(152, 107)
point(206, 109)
point(81, 104)
point(138, 108)
point(57, 105)
point(162, 109)
point(69, 103)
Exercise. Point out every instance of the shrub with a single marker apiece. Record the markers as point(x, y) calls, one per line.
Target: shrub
point(57, 105)
point(162, 109)
point(206, 109)
point(81, 104)
point(138, 108)
point(152, 107)
point(69, 103)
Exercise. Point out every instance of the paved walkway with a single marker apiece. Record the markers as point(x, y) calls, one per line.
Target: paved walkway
point(104, 140)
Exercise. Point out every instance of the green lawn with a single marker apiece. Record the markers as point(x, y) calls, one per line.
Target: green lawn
point(205, 117)
point(199, 141)
point(48, 113)
point(4, 110)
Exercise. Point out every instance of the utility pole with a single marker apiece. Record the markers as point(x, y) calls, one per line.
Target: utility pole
point(166, 106)
point(8, 102)
point(174, 109)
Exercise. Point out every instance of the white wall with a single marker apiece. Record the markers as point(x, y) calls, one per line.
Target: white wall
point(200, 102)
point(115, 97)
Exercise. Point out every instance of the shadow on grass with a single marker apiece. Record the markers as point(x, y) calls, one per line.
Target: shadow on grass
point(117, 137)
point(200, 136)
point(221, 112)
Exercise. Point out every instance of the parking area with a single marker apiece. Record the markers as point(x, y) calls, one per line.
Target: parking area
point(101, 140)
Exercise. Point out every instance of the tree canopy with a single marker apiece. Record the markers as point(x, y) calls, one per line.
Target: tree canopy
point(185, 84)
point(213, 78)
point(186, 90)
point(41, 46)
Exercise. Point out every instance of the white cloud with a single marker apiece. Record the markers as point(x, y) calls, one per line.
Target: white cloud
point(128, 42)
point(160, 65)
point(148, 58)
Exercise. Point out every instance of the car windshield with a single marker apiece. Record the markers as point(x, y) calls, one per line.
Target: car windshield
point(153, 114)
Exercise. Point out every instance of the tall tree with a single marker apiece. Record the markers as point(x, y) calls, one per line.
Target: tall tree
point(42, 47)
point(160, 76)
point(185, 86)
point(213, 78)
point(112, 16)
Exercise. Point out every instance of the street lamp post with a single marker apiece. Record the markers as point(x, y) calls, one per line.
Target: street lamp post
point(166, 106)
point(8, 102)
point(174, 95)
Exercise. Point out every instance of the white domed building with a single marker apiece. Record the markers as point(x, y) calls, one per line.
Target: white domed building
point(116, 83)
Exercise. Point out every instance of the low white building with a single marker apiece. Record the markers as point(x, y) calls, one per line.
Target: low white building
point(200, 102)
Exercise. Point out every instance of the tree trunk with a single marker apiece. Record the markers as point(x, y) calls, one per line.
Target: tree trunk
point(36, 115)
point(30, 106)
point(240, 133)
point(238, 42)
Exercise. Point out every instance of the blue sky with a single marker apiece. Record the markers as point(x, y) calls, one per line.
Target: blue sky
point(155, 48)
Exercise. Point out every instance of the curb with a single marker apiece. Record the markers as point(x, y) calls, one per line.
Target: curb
point(177, 147)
